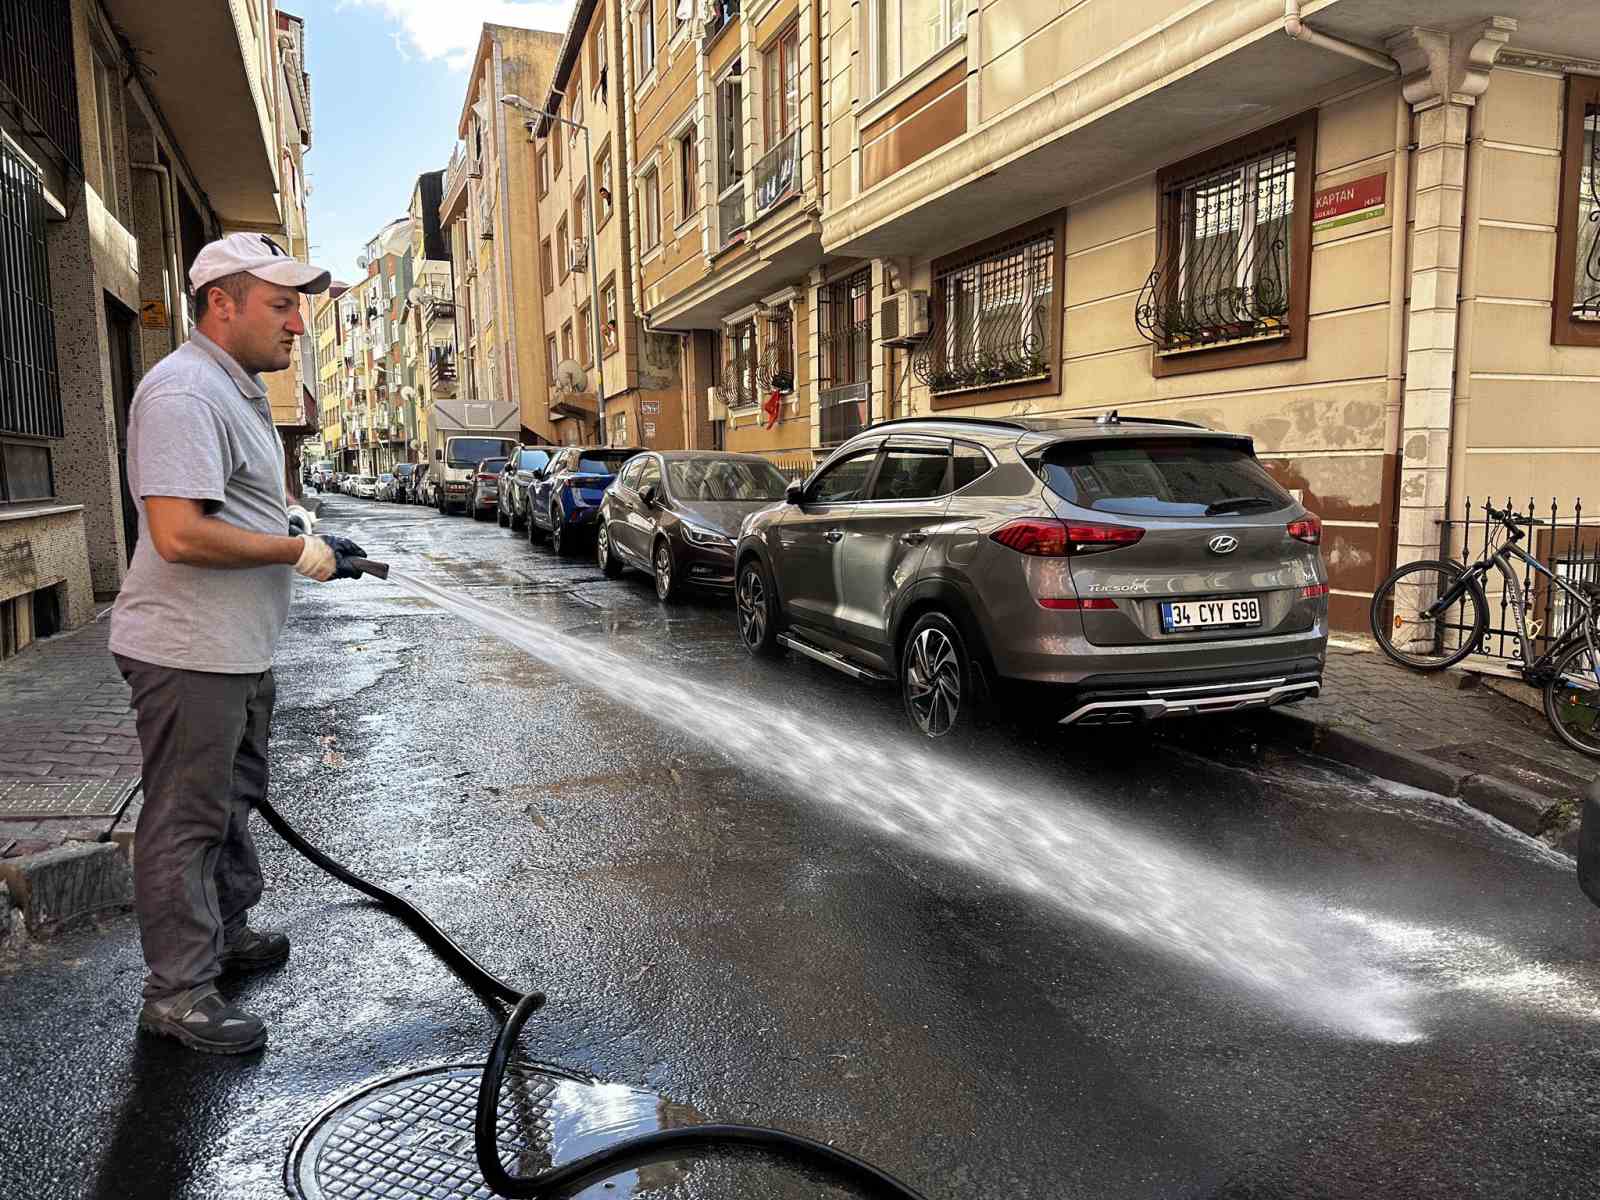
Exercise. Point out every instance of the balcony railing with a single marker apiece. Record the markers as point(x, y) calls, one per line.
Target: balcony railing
point(721, 14)
point(777, 172)
point(730, 212)
point(38, 82)
point(30, 382)
point(442, 373)
point(438, 308)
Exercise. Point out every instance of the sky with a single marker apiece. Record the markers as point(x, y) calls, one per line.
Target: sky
point(388, 78)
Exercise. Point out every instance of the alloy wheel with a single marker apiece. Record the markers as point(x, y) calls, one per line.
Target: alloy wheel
point(557, 539)
point(933, 683)
point(663, 571)
point(602, 548)
point(752, 607)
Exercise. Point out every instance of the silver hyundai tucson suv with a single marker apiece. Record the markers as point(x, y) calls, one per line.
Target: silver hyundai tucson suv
point(1110, 569)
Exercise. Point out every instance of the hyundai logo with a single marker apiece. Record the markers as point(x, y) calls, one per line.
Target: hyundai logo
point(1223, 543)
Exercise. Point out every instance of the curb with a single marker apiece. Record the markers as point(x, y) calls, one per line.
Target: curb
point(55, 889)
point(1521, 808)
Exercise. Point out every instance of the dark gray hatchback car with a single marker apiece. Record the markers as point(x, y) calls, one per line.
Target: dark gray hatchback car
point(1113, 569)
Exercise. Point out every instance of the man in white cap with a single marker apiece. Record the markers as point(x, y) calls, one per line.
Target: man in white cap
point(196, 624)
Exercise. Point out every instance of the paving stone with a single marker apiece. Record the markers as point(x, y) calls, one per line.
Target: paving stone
point(58, 887)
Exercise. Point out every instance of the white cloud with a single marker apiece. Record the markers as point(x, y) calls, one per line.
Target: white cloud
point(448, 29)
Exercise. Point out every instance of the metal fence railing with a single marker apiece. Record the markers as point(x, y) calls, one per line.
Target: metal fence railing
point(1558, 536)
point(30, 384)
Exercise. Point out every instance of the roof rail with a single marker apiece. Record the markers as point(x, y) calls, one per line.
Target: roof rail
point(1112, 417)
point(1003, 422)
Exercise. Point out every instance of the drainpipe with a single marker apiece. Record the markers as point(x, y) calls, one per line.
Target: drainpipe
point(1301, 32)
point(169, 225)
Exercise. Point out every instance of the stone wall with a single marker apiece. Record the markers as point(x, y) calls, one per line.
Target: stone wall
point(44, 547)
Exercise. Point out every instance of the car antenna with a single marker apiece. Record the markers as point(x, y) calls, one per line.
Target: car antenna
point(1108, 418)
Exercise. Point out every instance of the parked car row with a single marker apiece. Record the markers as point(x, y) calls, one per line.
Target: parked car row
point(1110, 570)
point(405, 483)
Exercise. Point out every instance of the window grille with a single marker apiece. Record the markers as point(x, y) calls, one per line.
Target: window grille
point(38, 82)
point(30, 386)
point(844, 309)
point(742, 357)
point(991, 317)
point(1586, 289)
point(775, 371)
point(1225, 261)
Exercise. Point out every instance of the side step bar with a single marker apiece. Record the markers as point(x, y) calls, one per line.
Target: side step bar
point(1153, 708)
point(830, 658)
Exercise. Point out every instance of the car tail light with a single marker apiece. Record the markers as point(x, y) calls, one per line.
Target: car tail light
point(1307, 529)
point(1076, 604)
point(1314, 591)
point(1043, 537)
point(485, 477)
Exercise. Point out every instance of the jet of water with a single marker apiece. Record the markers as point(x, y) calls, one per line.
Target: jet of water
point(1067, 854)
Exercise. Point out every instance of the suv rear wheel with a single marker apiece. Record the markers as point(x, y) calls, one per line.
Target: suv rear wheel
point(757, 608)
point(936, 678)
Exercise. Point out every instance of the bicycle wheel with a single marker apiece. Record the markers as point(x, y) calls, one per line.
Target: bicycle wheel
point(1572, 700)
point(1429, 643)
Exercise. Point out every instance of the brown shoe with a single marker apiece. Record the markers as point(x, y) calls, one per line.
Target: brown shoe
point(254, 949)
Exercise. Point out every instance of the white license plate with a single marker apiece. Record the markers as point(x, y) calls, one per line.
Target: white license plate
point(1209, 614)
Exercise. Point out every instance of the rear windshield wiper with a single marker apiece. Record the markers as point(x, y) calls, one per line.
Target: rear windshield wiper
point(1235, 504)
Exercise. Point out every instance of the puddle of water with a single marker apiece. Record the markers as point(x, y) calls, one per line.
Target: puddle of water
point(1040, 842)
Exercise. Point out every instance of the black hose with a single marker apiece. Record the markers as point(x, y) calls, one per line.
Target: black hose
point(613, 1160)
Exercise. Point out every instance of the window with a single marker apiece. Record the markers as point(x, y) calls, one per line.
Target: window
point(563, 258)
point(1576, 317)
point(688, 175)
point(105, 97)
point(844, 481)
point(970, 465)
point(722, 480)
point(741, 343)
point(730, 155)
point(1231, 284)
point(566, 341)
point(30, 398)
point(649, 475)
point(602, 173)
point(580, 206)
point(780, 77)
point(906, 33)
point(776, 371)
point(554, 352)
point(585, 335)
point(644, 45)
point(600, 64)
point(650, 209)
point(911, 473)
point(546, 273)
point(995, 318)
point(608, 315)
point(628, 477)
point(544, 171)
point(844, 310)
point(25, 472)
point(1167, 477)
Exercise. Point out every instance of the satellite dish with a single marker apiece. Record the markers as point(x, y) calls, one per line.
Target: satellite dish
point(361, 261)
point(571, 377)
point(415, 295)
point(408, 393)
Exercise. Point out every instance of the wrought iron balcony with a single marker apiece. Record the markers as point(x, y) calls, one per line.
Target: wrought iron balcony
point(442, 373)
point(730, 212)
point(721, 14)
point(777, 172)
point(38, 83)
point(438, 308)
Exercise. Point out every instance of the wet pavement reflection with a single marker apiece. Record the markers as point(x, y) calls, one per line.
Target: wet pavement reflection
point(716, 932)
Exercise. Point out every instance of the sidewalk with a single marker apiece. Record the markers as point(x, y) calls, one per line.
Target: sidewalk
point(1447, 733)
point(69, 759)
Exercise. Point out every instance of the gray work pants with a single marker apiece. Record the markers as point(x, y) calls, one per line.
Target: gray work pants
point(196, 876)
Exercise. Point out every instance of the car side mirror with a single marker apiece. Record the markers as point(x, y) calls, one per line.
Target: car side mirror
point(649, 495)
point(438, 456)
point(796, 494)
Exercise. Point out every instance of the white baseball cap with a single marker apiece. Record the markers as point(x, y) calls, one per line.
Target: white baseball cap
point(259, 255)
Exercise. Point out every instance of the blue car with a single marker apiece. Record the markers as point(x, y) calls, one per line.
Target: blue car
point(564, 499)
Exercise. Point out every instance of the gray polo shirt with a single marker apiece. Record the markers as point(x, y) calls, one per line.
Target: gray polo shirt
point(201, 428)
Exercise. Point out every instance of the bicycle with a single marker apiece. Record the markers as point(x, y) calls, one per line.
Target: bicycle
point(1430, 615)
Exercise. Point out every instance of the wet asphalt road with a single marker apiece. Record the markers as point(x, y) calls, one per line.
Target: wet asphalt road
point(750, 952)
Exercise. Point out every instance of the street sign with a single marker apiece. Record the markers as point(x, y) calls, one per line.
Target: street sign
point(153, 314)
point(1347, 203)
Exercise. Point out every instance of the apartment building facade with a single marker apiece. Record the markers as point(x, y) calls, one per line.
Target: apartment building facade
point(428, 316)
point(119, 159)
point(622, 384)
point(1359, 233)
point(490, 214)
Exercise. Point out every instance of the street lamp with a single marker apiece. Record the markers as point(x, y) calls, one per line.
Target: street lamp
point(535, 114)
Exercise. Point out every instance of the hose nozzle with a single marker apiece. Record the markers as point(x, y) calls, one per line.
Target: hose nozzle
point(371, 566)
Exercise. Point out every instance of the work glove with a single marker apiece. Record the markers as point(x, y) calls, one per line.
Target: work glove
point(301, 520)
point(343, 551)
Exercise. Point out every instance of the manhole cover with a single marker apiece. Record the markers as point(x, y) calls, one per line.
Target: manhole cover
point(411, 1135)
point(28, 799)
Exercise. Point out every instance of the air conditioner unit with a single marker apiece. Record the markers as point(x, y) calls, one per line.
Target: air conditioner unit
point(578, 255)
point(716, 406)
point(904, 317)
